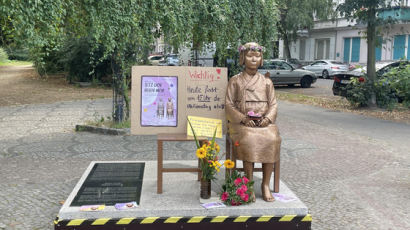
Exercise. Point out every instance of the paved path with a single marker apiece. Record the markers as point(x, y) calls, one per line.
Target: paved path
point(347, 169)
point(321, 88)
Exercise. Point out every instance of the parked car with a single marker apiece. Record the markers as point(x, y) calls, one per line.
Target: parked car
point(342, 80)
point(155, 59)
point(293, 62)
point(282, 73)
point(379, 65)
point(170, 60)
point(326, 68)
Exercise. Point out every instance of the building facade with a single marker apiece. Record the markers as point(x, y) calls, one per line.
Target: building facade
point(345, 41)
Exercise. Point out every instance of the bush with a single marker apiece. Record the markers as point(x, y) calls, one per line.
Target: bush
point(47, 59)
point(391, 88)
point(3, 55)
point(385, 96)
point(399, 82)
point(19, 54)
point(76, 57)
point(358, 93)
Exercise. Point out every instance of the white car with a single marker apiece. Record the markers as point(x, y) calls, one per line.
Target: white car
point(379, 65)
point(326, 68)
point(170, 60)
point(155, 59)
point(282, 73)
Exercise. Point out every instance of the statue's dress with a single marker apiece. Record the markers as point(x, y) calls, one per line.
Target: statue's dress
point(252, 93)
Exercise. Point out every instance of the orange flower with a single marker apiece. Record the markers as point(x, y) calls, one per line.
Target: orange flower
point(236, 143)
point(229, 164)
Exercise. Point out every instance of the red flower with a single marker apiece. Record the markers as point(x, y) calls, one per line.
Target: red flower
point(245, 197)
point(361, 79)
point(234, 203)
point(236, 143)
point(245, 180)
point(224, 196)
point(237, 181)
point(239, 191)
point(244, 188)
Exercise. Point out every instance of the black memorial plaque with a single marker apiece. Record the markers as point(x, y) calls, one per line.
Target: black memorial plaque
point(111, 183)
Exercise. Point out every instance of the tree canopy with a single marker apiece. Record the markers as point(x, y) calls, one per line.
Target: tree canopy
point(125, 30)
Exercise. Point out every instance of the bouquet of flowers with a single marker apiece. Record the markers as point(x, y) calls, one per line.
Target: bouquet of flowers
point(237, 190)
point(209, 155)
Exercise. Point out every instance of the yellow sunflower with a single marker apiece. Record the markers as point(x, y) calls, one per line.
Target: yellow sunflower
point(200, 153)
point(217, 148)
point(229, 164)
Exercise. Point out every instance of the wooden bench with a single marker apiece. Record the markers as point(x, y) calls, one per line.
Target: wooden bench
point(161, 137)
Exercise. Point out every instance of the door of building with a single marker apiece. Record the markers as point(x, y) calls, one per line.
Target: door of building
point(408, 47)
point(346, 50)
point(351, 50)
point(399, 47)
point(355, 49)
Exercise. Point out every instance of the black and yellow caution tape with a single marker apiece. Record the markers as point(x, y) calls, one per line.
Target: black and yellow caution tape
point(180, 219)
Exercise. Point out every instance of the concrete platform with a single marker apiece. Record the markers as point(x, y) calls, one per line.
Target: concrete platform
point(179, 206)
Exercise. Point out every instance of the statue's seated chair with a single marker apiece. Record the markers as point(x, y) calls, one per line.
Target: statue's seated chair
point(230, 154)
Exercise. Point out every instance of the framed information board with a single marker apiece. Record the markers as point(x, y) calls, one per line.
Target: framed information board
point(162, 97)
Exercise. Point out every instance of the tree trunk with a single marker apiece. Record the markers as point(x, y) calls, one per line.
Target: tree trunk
point(118, 89)
point(371, 53)
point(286, 44)
point(282, 30)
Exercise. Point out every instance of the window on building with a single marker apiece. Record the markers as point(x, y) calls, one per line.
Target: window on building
point(379, 43)
point(322, 48)
point(302, 48)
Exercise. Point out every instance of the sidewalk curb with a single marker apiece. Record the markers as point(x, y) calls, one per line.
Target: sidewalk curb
point(101, 130)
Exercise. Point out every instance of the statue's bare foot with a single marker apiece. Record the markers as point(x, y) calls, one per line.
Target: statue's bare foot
point(266, 194)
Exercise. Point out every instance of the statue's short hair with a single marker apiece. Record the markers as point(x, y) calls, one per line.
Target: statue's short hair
point(250, 46)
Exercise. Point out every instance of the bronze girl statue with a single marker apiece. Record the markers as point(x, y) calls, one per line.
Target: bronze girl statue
point(251, 111)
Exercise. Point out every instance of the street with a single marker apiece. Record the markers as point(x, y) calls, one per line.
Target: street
point(351, 171)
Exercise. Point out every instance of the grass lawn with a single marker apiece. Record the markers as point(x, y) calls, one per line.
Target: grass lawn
point(15, 62)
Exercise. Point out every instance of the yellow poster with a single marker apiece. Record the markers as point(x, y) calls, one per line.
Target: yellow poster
point(205, 127)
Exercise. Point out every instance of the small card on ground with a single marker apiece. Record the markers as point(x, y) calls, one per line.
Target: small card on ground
point(213, 205)
point(92, 208)
point(283, 197)
point(125, 206)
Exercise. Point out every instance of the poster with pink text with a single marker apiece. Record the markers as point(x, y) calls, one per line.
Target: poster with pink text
point(159, 101)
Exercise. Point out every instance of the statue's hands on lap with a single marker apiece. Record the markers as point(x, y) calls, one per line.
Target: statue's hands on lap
point(249, 123)
point(264, 122)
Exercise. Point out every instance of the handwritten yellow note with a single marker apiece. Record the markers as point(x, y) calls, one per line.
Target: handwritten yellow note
point(204, 126)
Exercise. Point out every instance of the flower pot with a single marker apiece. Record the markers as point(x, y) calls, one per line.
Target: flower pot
point(205, 192)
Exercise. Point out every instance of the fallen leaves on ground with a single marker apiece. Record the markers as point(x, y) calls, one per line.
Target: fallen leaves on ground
point(399, 114)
